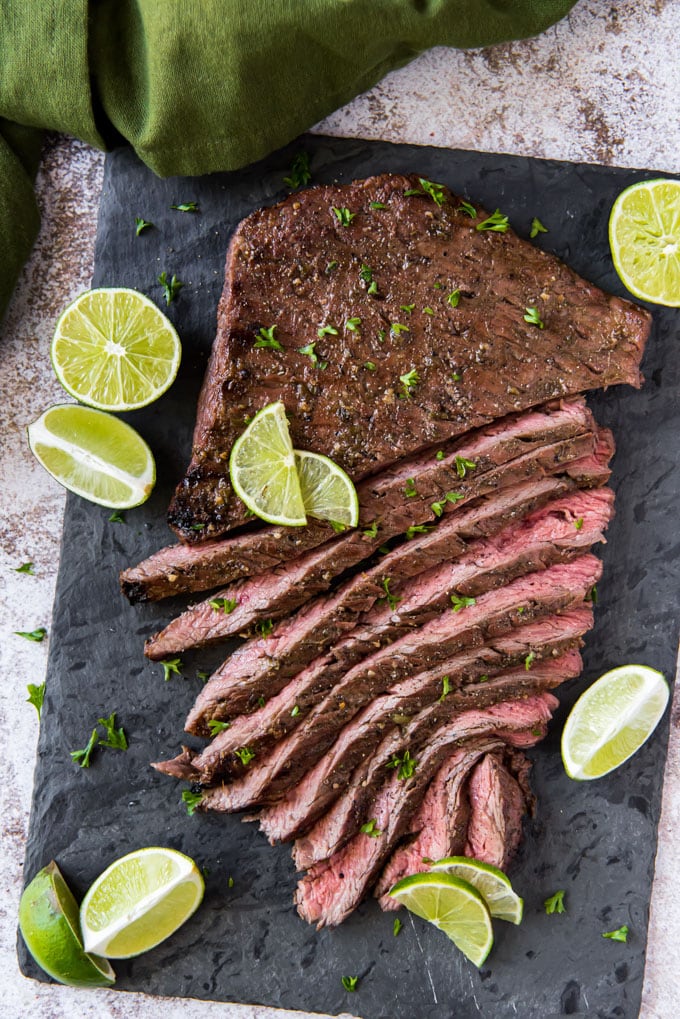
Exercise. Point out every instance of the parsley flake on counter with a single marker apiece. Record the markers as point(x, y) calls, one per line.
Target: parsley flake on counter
point(25, 568)
point(446, 687)
point(454, 298)
point(82, 757)
point(378, 205)
point(371, 828)
point(36, 695)
point(410, 488)
point(370, 366)
point(185, 207)
point(621, 934)
point(391, 599)
point(417, 529)
point(216, 726)
point(537, 228)
point(353, 324)
point(344, 216)
point(115, 737)
point(191, 801)
point(296, 711)
point(372, 531)
point(350, 983)
point(435, 191)
point(171, 287)
point(578, 524)
point(171, 667)
point(408, 308)
point(141, 224)
point(265, 627)
point(230, 882)
point(300, 173)
point(35, 635)
point(117, 517)
point(468, 209)
point(496, 222)
point(460, 602)
point(406, 765)
point(265, 338)
point(245, 755)
point(463, 466)
point(555, 903)
point(396, 926)
point(226, 605)
point(529, 660)
point(409, 380)
point(533, 318)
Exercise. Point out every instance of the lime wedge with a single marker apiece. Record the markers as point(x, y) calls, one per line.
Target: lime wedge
point(491, 883)
point(139, 901)
point(48, 921)
point(94, 455)
point(115, 350)
point(452, 905)
point(263, 472)
point(327, 492)
point(612, 719)
point(644, 237)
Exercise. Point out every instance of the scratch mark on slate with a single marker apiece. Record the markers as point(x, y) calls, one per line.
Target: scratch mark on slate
point(425, 960)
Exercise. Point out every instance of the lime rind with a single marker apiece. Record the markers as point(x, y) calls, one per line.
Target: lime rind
point(492, 884)
point(612, 719)
point(644, 238)
point(328, 492)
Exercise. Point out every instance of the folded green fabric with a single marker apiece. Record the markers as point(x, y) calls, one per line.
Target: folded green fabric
point(213, 85)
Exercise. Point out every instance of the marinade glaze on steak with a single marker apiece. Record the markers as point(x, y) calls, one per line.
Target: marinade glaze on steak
point(298, 268)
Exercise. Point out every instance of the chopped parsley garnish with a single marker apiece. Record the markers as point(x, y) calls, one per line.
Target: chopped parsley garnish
point(396, 926)
point(192, 527)
point(226, 605)
point(34, 635)
point(446, 687)
point(366, 273)
point(372, 531)
point(309, 352)
point(408, 308)
point(230, 882)
point(171, 667)
point(331, 266)
point(454, 298)
point(592, 595)
point(463, 466)
point(378, 205)
point(438, 507)
point(265, 338)
point(261, 701)
point(202, 675)
point(371, 828)
point(185, 207)
point(25, 568)
point(520, 609)
point(373, 288)
point(438, 285)
point(350, 983)
point(435, 191)
point(337, 526)
point(353, 324)
point(118, 518)
point(496, 222)
point(300, 174)
point(440, 454)
point(410, 488)
point(82, 757)
point(409, 380)
point(381, 335)
point(191, 801)
point(326, 331)
point(555, 903)
point(406, 765)
point(171, 287)
point(468, 209)
point(391, 599)
point(370, 366)
point(141, 224)
point(578, 524)
point(412, 191)
point(115, 737)
point(216, 726)
point(537, 731)
point(428, 310)
point(265, 627)
point(533, 318)
point(295, 712)
point(537, 228)
point(245, 755)
point(344, 216)
point(529, 660)
point(36, 696)
point(621, 934)
point(460, 602)
point(417, 529)
point(483, 679)
point(397, 327)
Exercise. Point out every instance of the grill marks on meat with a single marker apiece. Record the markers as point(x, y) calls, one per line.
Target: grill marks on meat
point(476, 362)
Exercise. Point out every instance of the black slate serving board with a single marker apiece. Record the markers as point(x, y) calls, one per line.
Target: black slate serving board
point(596, 840)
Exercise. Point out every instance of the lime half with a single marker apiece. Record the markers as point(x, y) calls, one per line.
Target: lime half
point(263, 472)
point(491, 883)
point(115, 350)
point(139, 901)
point(612, 719)
point(327, 491)
point(644, 237)
point(94, 455)
point(452, 905)
point(48, 920)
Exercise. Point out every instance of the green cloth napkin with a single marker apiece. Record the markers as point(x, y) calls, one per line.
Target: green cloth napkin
point(202, 85)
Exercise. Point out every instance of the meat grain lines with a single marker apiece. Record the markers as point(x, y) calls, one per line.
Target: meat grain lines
point(408, 663)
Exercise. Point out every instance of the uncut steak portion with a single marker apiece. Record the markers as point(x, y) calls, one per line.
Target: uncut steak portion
point(302, 271)
point(336, 886)
point(383, 501)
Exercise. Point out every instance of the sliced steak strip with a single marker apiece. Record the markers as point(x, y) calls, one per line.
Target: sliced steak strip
point(301, 704)
point(305, 802)
point(334, 887)
point(382, 499)
point(452, 807)
point(475, 362)
point(261, 668)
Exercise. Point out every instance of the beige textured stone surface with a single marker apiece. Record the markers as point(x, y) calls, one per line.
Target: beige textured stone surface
point(601, 86)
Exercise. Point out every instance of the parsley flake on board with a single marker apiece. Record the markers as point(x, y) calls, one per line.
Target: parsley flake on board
point(350, 983)
point(555, 903)
point(216, 726)
point(463, 466)
point(191, 801)
point(25, 568)
point(117, 517)
point(621, 934)
point(300, 173)
point(454, 298)
point(592, 595)
point(396, 926)
point(537, 228)
point(245, 755)
point(202, 675)
point(371, 828)
point(405, 764)
point(171, 667)
point(460, 602)
point(533, 318)
point(226, 605)
point(115, 737)
point(35, 635)
point(82, 757)
point(36, 696)
point(141, 224)
point(496, 222)
point(344, 216)
point(185, 207)
point(391, 599)
point(230, 882)
point(409, 380)
point(265, 338)
point(171, 287)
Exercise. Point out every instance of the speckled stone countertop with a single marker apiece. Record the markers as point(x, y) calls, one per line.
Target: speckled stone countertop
point(602, 87)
